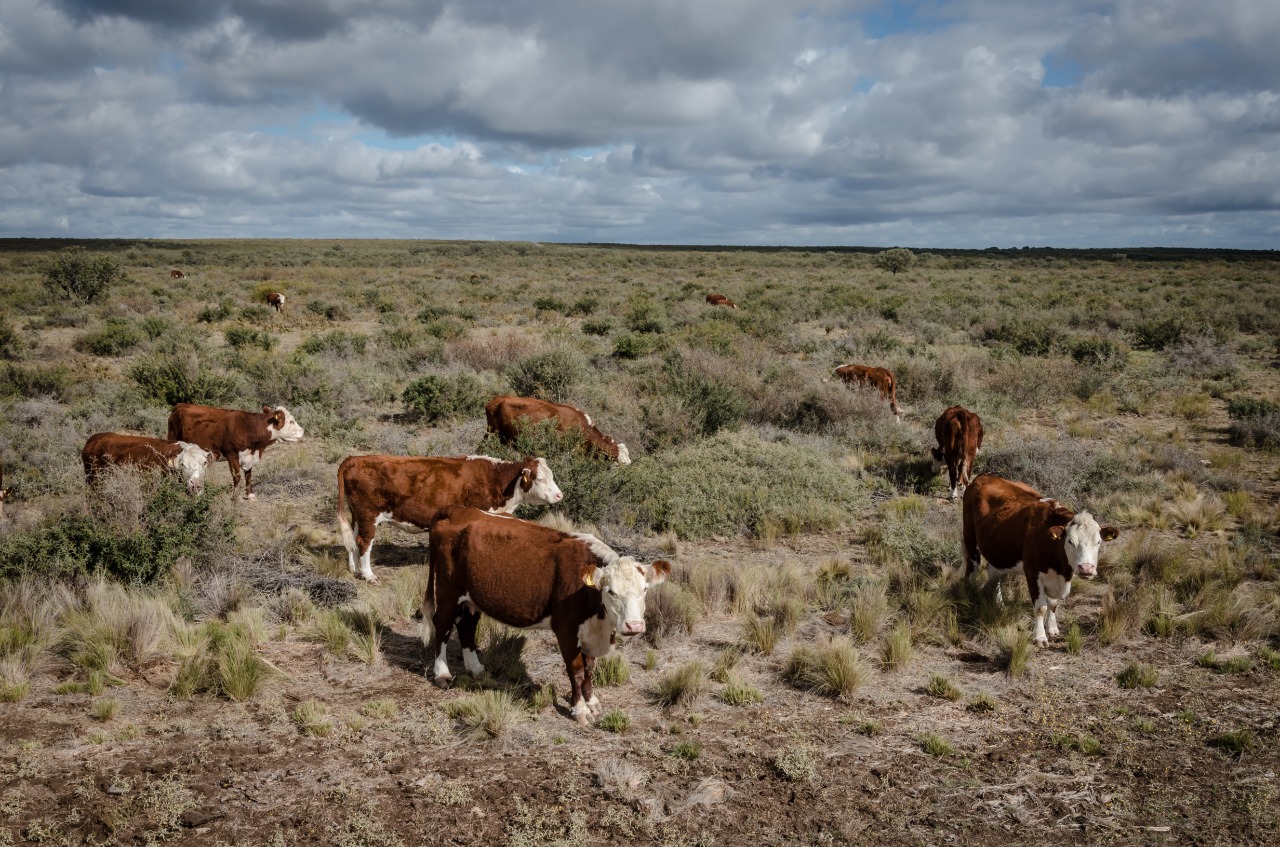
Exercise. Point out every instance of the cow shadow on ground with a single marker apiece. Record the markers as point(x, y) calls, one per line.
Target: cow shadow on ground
point(913, 475)
point(384, 555)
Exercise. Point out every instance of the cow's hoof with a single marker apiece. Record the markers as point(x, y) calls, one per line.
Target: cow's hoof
point(442, 682)
point(372, 579)
point(251, 496)
point(1042, 642)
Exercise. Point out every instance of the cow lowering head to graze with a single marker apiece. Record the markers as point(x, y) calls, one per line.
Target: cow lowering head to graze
point(878, 378)
point(410, 491)
point(1012, 526)
point(720, 300)
point(959, 434)
point(177, 274)
point(112, 448)
point(275, 300)
point(239, 437)
point(507, 416)
point(524, 574)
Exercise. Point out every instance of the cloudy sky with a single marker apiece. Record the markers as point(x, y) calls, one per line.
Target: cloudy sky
point(809, 122)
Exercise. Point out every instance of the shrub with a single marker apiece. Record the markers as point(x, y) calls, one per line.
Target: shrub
point(1254, 423)
point(550, 376)
point(834, 668)
point(81, 275)
point(487, 714)
point(36, 381)
point(433, 398)
point(712, 404)
point(611, 670)
point(633, 346)
point(336, 342)
point(601, 326)
point(1138, 674)
point(1030, 338)
point(10, 343)
point(735, 481)
point(213, 314)
point(895, 260)
point(682, 686)
point(1103, 353)
point(115, 337)
point(172, 525)
point(172, 378)
point(647, 317)
point(1202, 356)
point(797, 764)
point(1235, 743)
point(940, 686)
point(550, 304)
point(248, 336)
point(1159, 333)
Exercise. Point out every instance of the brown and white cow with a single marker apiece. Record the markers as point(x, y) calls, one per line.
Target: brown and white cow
point(177, 274)
point(506, 415)
point(527, 575)
point(720, 300)
point(879, 378)
point(112, 448)
point(234, 435)
point(1012, 527)
point(959, 434)
point(275, 300)
point(5, 493)
point(411, 491)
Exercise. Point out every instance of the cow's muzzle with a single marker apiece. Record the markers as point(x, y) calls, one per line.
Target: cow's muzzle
point(633, 628)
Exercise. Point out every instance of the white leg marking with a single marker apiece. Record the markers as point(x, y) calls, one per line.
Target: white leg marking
point(441, 668)
point(366, 565)
point(1038, 635)
point(472, 660)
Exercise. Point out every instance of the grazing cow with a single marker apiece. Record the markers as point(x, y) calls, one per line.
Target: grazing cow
point(528, 575)
point(411, 490)
point(112, 448)
point(959, 434)
point(275, 300)
point(239, 437)
point(506, 413)
point(875, 378)
point(1012, 526)
point(177, 274)
point(720, 300)
point(5, 493)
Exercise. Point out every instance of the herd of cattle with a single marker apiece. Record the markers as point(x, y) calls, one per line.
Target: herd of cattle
point(573, 583)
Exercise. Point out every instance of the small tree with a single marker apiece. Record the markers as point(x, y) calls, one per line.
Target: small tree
point(895, 259)
point(80, 275)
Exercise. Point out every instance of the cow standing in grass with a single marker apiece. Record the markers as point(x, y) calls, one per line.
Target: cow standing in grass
point(507, 415)
point(411, 492)
point(275, 300)
point(1013, 527)
point(959, 434)
point(881, 379)
point(239, 437)
point(524, 574)
point(107, 449)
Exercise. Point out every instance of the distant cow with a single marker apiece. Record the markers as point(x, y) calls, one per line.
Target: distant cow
point(412, 490)
point(1012, 526)
point(720, 300)
point(275, 300)
point(177, 274)
point(239, 437)
point(959, 434)
point(506, 415)
point(5, 493)
point(527, 575)
point(111, 448)
point(874, 377)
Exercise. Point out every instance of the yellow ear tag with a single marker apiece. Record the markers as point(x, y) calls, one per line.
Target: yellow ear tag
point(590, 578)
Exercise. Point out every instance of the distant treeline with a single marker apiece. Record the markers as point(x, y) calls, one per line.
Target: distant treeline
point(1105, 254)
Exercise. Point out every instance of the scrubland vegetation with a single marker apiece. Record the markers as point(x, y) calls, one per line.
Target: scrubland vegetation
point(817, 670)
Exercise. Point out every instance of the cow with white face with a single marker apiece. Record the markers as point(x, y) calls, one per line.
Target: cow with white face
point(524, 574)
point(191, 461)
point(1012, 526)
point(238, 437)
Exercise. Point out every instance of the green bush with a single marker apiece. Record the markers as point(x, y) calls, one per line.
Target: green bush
point(646, 316)
point(36, 381)
point(601, 326)
point(550, 304)
point(708, 404)
point(1159, 333)
point(433, 398)
point(1243, 408)
point(895, 260)
point(1030, 338)
point(550, 376)
point(10, 343)
point(181, 378)
point(737, 482)
point(213, 314)
point(174, 525)
point(1254, 423)
point(115, 337)
point(78, 274)
point(588, 479)
point(1098, 352)
point(154, 327)
point(337, 342)
point(328, 311)
point(240, 337)
point(633, 346)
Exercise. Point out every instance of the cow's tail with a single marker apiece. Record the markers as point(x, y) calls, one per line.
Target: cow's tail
point(434, 551)
point(344, 518)
point(893, 397)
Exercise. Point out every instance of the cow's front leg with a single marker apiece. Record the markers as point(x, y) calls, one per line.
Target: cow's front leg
point(435, 638)
point(469, 619)
point(1052, 618)
point(233, 462)
point(1041, 609)
point(248, 484)
point(574, 664)
point(588, 684)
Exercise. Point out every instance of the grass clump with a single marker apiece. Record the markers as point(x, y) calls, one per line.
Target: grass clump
point(1230, 665)
point(486, 714)
point(312, 718)
point(941, 687)
point(682, 686)
point(935, 745)
point(611, 671)
point(797, 763)
point(834, 669)
point(1234, 743)
point(1013, 649)
point(739, 693)
point(982, 703)
point(614, 720)
point(381, 709)
point(1138, 675)
point(898, 648)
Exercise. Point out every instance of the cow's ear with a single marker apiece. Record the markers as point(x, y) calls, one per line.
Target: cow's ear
point(1056, 532)
point(266, 410)
point(1110, 533)
point(589, 578)
point(279, 418)
point(173, 463)
point(657, 572)
point(526, 479)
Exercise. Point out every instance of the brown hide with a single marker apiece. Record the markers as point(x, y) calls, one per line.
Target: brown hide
point(875, 377)
point(177, 274)
point(505, 412)
point(111, 448)
point(959, 434)
point(226, 433)
point(275, 300)
point(721, 300)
